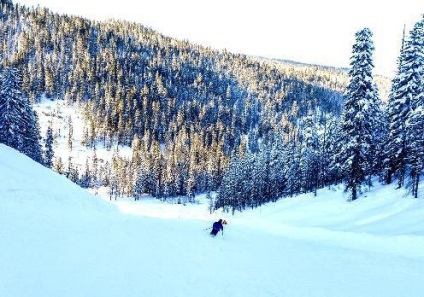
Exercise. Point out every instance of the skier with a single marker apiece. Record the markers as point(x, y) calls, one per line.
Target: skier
point(218, 226)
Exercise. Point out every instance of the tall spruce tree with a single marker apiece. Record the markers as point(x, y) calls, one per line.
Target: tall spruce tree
point(405, 143)
point(414, 69)
point(18, 122)
point(356, 127)
point(11, 106)
point(398, 110)
point(32, 134)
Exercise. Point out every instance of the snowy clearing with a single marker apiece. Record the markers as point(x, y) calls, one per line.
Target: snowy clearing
point(56, 113)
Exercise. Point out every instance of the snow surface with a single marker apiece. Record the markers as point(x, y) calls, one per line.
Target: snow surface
point(57, 239)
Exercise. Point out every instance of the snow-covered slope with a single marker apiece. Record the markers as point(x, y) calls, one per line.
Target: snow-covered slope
point(58, 240)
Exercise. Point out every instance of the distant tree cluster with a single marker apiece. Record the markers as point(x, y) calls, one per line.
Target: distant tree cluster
point(296, 161)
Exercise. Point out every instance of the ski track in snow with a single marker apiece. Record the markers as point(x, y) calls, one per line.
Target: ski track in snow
point(58, 240)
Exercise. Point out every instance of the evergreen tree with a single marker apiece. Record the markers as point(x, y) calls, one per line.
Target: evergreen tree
point(139, 187)
point(33, 146)
point(72, 172)
point(86, 178)
point(356, 140)
point(58, 165)
point(70, 133)
point(414, 68)
point(12, 119)
point(18, 122)
point(48, 148)
point(378, 124)
point(95, 168)
point(398, 110)
point(310, 156)
point(406, 120)
point(328, 141)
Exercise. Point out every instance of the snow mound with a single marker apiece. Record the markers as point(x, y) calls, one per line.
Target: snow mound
point(382, 210)
point(29, 185)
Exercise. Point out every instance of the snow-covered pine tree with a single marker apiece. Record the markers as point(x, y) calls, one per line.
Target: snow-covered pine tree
point(227, 193)
point(86, 177)
point(95, 168)
point(416, 147)
point(310, 161)
point(356, 139)
point(32, 137)
point(48, 148)
point(378, 124)
point(58, 165)
point(294, 155)
point(245, 170)
point(156, 170)
point(414, 66)
point(398, 110)
point(11, 107)
point(190, 186)
point(170, 188)
point(139, 187)
point(278, 171)
point(327, 143)
point(72, 171)
point(70, 133)
point(18, 122)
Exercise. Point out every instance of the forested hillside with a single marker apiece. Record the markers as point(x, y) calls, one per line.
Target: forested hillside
point(185, 108)
point(197, 119)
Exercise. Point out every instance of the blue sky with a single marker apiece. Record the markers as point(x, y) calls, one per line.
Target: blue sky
point(319, 32)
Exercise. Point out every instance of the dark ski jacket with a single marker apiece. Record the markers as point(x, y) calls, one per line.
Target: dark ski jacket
point(218, 226)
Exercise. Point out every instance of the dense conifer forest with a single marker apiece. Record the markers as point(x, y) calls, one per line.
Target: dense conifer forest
point(197, 119)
